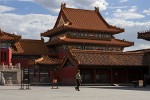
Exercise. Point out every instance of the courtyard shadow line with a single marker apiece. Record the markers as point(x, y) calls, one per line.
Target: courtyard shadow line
point(9, 89)
point(123, 88)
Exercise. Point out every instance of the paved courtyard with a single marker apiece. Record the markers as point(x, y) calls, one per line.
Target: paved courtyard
point(69, 93)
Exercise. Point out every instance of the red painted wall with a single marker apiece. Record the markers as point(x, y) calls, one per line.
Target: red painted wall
point(61, 54)
point(67, 75)
point(8, 56)
point(22, 61)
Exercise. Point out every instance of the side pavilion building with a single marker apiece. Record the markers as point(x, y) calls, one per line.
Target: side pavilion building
point(146, 36)
point(17, 53)
point(9, 72)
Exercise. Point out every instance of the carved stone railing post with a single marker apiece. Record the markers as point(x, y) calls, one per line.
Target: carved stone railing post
point(3, 66)
point(11, 66)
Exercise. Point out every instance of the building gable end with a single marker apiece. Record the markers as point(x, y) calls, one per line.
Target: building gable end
point(61, 20)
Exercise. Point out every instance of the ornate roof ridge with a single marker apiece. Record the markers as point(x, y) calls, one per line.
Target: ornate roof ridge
point(8, 36)
point(63, 6)
point(147, 31)
point(144, 35)
point(104, 52)
point(97, 58)
point(124, 41)
point(45, 59)
point(2, 32)
point(91, 41)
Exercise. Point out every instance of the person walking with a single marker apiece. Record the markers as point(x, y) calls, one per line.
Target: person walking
point(78, 80)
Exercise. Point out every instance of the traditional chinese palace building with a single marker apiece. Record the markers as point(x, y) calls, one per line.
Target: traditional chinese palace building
point(85, 41)
point(80, 39)
point(10, 72)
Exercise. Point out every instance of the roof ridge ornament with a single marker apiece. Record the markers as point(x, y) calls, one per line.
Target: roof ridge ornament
point(97, 9)
point(67, 23)
point(63, 5)
point(1, 31)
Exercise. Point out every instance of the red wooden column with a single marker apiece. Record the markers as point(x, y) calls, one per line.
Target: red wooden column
point(94, 75)
point(111, 75)
point(142, 77)
point(39, 74)
point(126, 75)
point(5, 56)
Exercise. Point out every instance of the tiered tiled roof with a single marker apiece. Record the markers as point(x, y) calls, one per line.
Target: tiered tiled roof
point(116, 42)
point(144, 35)
point(79, 19)
point(45, 60)
point(98, 58)
point(4, 36)
point(29, 47)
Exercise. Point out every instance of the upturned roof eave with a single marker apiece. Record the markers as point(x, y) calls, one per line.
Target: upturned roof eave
point(144, 35)
point(56, 43)
point(59, 41)
point(61, 28)
point(45, 60)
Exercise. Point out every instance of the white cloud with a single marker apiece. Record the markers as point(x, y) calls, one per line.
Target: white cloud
point(126, 23)
point(119, 7)
point(5, 9)
point(132, 9)
point(138, 46)
point(118, 11)
point(144, 46)
point(147, 11)
point(128, 14)
point(121, 1)
point(17, 0)
point(26, 0)
point(130, 34)
point(29, 26)
point(54, 5)
point(124, 19)
point(102, 4)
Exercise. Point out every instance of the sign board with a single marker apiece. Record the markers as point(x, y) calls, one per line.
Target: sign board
point(141, 83)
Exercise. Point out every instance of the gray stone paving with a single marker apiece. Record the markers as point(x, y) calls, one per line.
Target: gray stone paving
point(69, 93)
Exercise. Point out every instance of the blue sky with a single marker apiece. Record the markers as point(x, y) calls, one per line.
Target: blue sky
point(29, 18)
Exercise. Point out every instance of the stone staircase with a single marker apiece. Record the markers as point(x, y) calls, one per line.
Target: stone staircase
point(10, 75)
